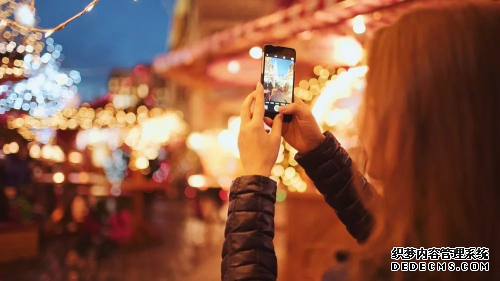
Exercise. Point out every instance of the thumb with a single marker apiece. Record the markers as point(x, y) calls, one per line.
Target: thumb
point(277, 126)
point(293, 108)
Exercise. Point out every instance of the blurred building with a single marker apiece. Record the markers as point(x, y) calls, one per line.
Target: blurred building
point(210, 103)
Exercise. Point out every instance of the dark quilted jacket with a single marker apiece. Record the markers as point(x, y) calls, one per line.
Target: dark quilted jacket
point(248, 251)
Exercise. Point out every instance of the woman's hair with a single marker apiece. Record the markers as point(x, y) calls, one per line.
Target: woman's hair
point(431, 118)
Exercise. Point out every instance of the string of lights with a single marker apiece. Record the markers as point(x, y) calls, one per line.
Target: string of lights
point(25, 19)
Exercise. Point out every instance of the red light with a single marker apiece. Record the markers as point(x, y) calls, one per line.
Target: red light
point(190, 192)
point(224, 194)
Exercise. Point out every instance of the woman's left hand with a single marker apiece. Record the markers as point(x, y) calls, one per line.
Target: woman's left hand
point(258, 149)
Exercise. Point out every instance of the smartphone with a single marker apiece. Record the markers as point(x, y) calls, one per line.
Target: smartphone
point(278, 78)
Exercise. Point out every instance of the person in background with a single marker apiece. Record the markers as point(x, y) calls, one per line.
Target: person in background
point(339, 271)
point(120, 224)
point(430, 125)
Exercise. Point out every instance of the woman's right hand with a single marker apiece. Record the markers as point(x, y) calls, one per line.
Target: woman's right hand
point(303, 132)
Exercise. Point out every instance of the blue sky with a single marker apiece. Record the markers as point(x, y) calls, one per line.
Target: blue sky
point(115, 34)
point(283, 66)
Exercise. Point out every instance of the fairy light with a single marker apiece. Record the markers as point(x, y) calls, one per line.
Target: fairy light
point(46, 90)
point(24, 22)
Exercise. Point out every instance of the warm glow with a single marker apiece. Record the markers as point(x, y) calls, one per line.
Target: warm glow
point(151, 153)
point(224, 182)
point(289, 172)
point(197, 181)
point(233, 67)
point(47, 151)
point(278, 170)
point(142, 163)
point(24, 15)
point(358, 24)
point(75, 157)
point(58, 177)
point(35, 151)
point(13, 147)
point(195, 141)
point(234, 124)
point(226, 139)
point(347, 51)
point(256, 52)
point(83, 177)
point(6, 148)
point(58, 154)
point(99, 190)
point(301, 187)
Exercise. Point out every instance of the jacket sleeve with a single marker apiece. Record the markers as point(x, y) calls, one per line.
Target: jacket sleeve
point(334, 175)
point(248, 250)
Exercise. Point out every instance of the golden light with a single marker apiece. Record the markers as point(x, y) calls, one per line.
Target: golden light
point(233, 67)
point(99, 155)
point(130, 118)
point(142, 162)
point(358, 24)
point(226, 139)
point(195, 141)
point(151, 153)
point(197, 181)
point(58, 177)
point(99, 190)
point(6, 148)
point(75, 157)
point(47, 151)
point(256, 52)
point(35, 151)
point(224, 182)
point(301, 187)
point(347, 51)
point(234, 124)
point(83, 177)
point(278, 170)
point(143, 90)
point(13, 147)
point(280, 158)
point(289, 172)
point(58, 154)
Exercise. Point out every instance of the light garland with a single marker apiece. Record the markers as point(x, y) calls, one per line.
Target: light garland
point(14, 6)
point(335, 96)
point(46, 90)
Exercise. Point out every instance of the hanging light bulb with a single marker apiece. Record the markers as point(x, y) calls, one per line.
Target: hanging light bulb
point(24, 15)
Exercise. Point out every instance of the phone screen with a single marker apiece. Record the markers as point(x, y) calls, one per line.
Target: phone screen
point(278, 77)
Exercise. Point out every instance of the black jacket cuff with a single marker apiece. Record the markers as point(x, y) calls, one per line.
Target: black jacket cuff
point(321, 154)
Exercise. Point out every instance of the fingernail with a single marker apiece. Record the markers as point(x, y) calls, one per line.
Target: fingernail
point(258, 85)
point(281, 108)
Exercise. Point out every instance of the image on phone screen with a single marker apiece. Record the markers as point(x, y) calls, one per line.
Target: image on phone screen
point(278, 81)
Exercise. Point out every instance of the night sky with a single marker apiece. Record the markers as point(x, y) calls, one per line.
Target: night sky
point(115, 34)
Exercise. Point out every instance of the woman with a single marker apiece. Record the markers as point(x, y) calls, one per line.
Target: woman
point(430, 123)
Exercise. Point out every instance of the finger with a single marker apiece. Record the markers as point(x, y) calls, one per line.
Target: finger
point(246, 108)
point(268, 121)
point(293, 108)
point(258, 110)
point(277, 126)
point(299, 101)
